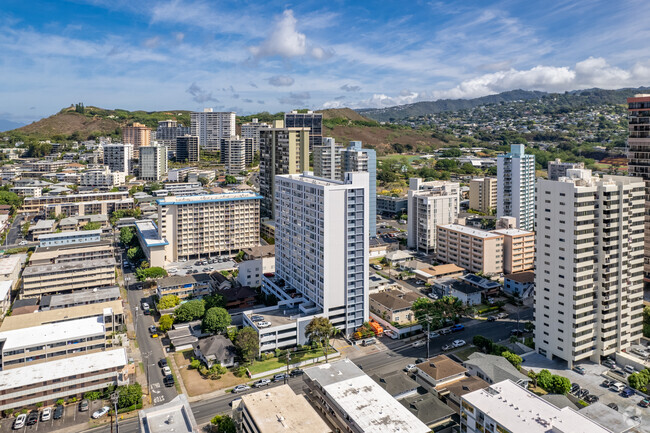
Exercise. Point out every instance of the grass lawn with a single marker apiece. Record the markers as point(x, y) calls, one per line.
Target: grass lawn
point(537, 390)
point(273, 363)
point(196, 384)
point(465, 352)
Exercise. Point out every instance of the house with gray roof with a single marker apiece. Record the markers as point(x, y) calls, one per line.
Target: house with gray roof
point(216, 349)
point(494, 369)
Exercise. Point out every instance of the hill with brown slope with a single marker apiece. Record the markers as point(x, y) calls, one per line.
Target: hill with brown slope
point(67, 123)
point(386, 140)
point(343, 113)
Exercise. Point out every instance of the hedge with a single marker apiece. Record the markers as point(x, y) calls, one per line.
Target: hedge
point(130, 408)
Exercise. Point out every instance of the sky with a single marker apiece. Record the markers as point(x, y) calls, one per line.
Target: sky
point(253, 56)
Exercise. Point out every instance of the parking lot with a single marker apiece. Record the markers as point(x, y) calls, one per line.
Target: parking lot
point(592, 379)
point(191, 266)
point(71, 416)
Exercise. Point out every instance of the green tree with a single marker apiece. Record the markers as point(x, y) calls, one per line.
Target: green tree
point(230, 180)
point(190, 310)
point(134, 253)
point(544, 378)
point(485, 344)
point(216, 320)
point(247, 343)
point(155, 186)
point(560, 384)
point(224, 424)
point(435, 313)
point(129, 395)
point(514, 359)
point(126, 235)
point(25, 229)
point(166, 321)
point(214, 300)
point(143, 274)
point(168, 301)
point(320, 330)
point(92, 226)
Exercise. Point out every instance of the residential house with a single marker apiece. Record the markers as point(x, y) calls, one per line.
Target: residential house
point(393, 305)
point(494, 369)
point(519, 284)
point(216, 349)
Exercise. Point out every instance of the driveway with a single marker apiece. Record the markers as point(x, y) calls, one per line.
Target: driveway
point(71, 417)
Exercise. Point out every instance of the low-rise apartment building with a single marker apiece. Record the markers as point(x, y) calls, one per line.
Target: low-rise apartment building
point(185, 286)
point(70, 238)
point(27, 191)
point(42, 227)
point(518, 250)
point(251, 271)
point(10, 266)
point(104, 207)
point(66, 277)
point(519, 284)
point(62, 378)
point(473, 249)
point(102, 178)
point(72, 253)
point(81, 297)
point(389, 205)
point(37, 204)
point(36, 344)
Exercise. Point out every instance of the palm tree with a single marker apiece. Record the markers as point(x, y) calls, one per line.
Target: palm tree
point(320, 329)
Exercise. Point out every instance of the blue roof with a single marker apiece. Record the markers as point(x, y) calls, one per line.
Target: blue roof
point(217, 198)
point(149, 234)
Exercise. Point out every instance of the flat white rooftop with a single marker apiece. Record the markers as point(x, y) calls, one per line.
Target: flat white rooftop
point(62, 368)
point(209, 198)
point(519, 410)
point(149, 233)
point(477, 233)
point(512, 232)
point(43, 334)
point(8, 264)
point(71, 234)
point(175, 416)
point(5, 287)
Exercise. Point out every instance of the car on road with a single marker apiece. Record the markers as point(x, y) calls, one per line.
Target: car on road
point(491, 318)
point(645, 402)
point(502, 315)
point(297, 372)
point(262, 382)
point(168, 380)
point(101, 412)
point(46, 414)
point(377, 267)
point(162, 363)
point(152, 330)
point(613, 406)
point(84, 405)
point(418, 343)
point(32, 418)
point(58, 411)
point(241, 388)
point(257, 318)
point(459, 343)
point(433, 334)
point(445, 331)
point(579, 370)
point(447, 347)
point(409, 367)
point(166, 371)
point(279, 377)
point(263, 324)
point(456, 328)
point(19, 422)
point(23, 243)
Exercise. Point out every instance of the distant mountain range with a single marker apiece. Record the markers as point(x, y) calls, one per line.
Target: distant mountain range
point(572, 99)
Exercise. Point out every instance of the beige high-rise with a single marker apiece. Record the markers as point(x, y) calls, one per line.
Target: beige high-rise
point(518, 250)
point(473, 249)
point(137, 135)
point(483, 194)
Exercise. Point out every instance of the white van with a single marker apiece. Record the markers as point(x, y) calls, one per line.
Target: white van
point(368, 341)
point(629, 369)
point(616, 387)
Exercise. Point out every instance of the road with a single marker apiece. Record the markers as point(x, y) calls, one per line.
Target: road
point(14, 232)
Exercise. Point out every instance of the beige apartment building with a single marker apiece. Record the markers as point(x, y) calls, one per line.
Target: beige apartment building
point(72, 253)
point(42, 280)
point(105, 207)
point(137, 135)
point(518, 250)
point(202, 225)
point(483, 194)
point(473, 249)
point(37, 204)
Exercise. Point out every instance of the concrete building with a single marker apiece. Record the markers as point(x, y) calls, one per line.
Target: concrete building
point(168, 131)
point(153, 163)
point(518, 250)
point(236, 153)
point(507, 407)
point(79, 298)
point(185, 286)
point(70, 238)
point(37, 204)
point(283, 150)
point(153, 245)
point(174, 416)
point(589, 266)
point(118, 157)
point(41, 228)
point(638, 143)
point(494, 369)
point(327, 159)
point(472, 249)
point(430, 204)
point(187, 148)
point(27, 191)
point(521, 284)
point(66, 277)
point(516, 186)
point(389, 205)
point(353, 402)
point(72, 252)
point(355, 158)
point(138, 135)
point(251, 271)
point(311, 120)
point(211, 126)
point(557, 169)
point(483, 194)
point(94, 207)
point(62, 378)
point(102, 178)
point(277, 410)
point(10, 266)
point(201, 225)
point(252, 130)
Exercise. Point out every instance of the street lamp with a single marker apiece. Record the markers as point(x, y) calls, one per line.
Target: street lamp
point(114, 398)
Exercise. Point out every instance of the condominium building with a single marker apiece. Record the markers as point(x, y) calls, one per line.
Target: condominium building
point(518, 250)
point(252, 130)
point(589, 266)
point(356, 158)
point(327, 159)
point(473, 249)
point(70, 237)
point(311, 120)
point(168, 131)
point(483, 194)
point(638, 144)
point(211, 126)
point(516, 186)
point(508, 407)
point(283, 150)
point(47, 382)
point(174, 416)
point(430, 204)
point(119, 157)
point(82, 208)
point(236, 153)
point(138, 135)
point(27, 191)
point(80, 298)
point(37, 204)
point(153, 163)
point(102, 178)
point(46, 166)
point(321, 245)
point(39, 280)
point(557, 169)
point(208, 224)
point(72, 253)
point(389, 205)
point(187, 148)
point(185, 286)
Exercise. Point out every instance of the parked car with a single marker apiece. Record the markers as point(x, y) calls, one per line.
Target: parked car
point(169, 381)
point(609, 363)
point(574, 388)
point(616, 387)
point(19, 422)
point(297, 372)
point(579, 370)
point(502, 315)
point(606, 383)
point(418, 343)
point(419, 283)
point(377, 267)
point(240, 388)
point(391, 334)
point(645, 402)
point(368, 341)
point(152, 329)
point(630, 369)
point(582, 393)
point(166, 371)
point(84, 405)
point(491, 318)
point(433, 334)
point(46, 414)
point(591, 399)
point(58, 411)
point(457, 328)
point(613, 406)
point(409, 367)
point(444, 331)
point(101, 412)
point(262, 382)
point(628, 392)
point(23, 243)
point(279, 377)
point(32, 418)
point(432, 296)
point(517, 332)
point(641, 352)
point(162, 363)
point(447, 347)
point(257, 318)
point(263, 324)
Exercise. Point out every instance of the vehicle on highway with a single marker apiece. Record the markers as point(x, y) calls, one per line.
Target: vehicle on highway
point(456, 328)
point(579, 370)
point(263, 324)
point(418, 343)
point(491, 318)
point(645, 402)
point(241, 388)
point(459, 343)
point(169, 381)
point(409, 367)
point(447, 347)
point(279, 377)
point(262, 382)
point(613, 406)
point(377, 267)
point(46, 414)
point(101, 412)
point(84, 405)
point(257, 318)
point(166, 371)
point(58, 411)
point(296, 372)
point(19, 422)
point(32, 418)
point(162, 363)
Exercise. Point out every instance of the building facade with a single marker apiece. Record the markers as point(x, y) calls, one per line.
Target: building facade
point(118, 157)
point(211, 126)
point(430, 204)
point(252, 130)
point(102, 178)
point(589, 266)
point(557, 169)
point(153, 163)
point(389, 205)
point(311, 120)
point(187, 148)
point(236, 153)
point(69, 238)
point(472, 249)
point(39, 280)
point(483, 194)
point(138, 135)
point(356, 158)
point(518, 250)
point(516, 186)
point(327, 159)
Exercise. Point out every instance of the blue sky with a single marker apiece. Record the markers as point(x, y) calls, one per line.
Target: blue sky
point(252, 56)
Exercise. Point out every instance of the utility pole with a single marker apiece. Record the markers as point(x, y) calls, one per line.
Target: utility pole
point(428, 339)
point(114, 398)
point(286, 377)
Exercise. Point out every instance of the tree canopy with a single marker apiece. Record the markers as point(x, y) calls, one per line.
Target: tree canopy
point(247, 343)
point(190, 310)
point(435, 313)
point(216, 320)
point(168, 301)
point(320, 330)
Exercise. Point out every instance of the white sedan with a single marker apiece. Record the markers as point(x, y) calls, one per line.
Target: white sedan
point(459, 343)
point(46, 414)
point(418, 343)
point(101, 412)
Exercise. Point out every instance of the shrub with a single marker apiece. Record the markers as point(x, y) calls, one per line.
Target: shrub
point(60, 402)
point(92, 395)
point(240, 372)
point(514, 359)
point(195, 364)
point(39, 404)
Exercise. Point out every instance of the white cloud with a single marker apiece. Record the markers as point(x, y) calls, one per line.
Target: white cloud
point(284, 40)
point(152, 43)
point(280, 81)
point(199, 94)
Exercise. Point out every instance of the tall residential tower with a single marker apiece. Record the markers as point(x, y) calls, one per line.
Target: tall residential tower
point(211, 126)
point(516, 186)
